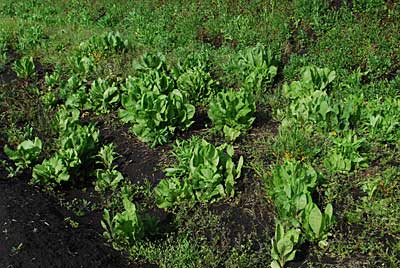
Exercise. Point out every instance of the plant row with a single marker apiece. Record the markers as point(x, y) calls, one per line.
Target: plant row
point(158, 100)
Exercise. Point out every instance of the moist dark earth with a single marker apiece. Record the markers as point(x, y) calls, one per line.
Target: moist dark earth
point(33, 233)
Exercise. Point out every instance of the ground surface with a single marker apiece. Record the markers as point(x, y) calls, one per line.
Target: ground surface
point(34, 233)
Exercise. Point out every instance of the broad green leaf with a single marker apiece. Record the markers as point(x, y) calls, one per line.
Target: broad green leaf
point(315, 220)
point(291, 256)
point(284, 246)
point(239, 167)
point(301, 202)
point(324, 108)
point(275, 264)
point(329, 211)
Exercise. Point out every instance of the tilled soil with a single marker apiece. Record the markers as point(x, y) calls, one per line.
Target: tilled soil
point(34, 233)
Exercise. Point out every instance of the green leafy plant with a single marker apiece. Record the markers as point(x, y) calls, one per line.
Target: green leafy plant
point(316, 108)
point(111, 41)
point(25, 153)
point(195, 60)
point(232, 113)
point(155, 108)
point(350, 109)
point(382, 119)
point(74, 93)
point(320, 78)
point(198, 84)
point(81, 66)
point(24, 67)
point(204, 173)
point(316, 225)
point(82, 139)
point(77, 145)
point(66, 119)
point(172, 191)
point(284, 245)
point(259, 67)
point(114, 42)
point(312, 79)
point(345, 155)
point(151, 62)
point(78, 99)
point(54, 79)
point(53, 170)
point(311, 104)
point(107, 177)
point(154, 103)
point(309, 100)
point(107, 156)
point(70, 86)
point(49, 99)
point(192, 75)
point(291, 189)
point(125, 226)
point(372, 186)
point(103, 96)
point(30, 37)
point(325, 113)
point(182, 151)
point(293, 184)
point(212, 172)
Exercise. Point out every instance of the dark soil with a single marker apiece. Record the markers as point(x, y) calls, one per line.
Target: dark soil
point(35, 230)
point(250, 218)
point(206, 37)
point(337, 4)
point(34, 233)
point(137, 161)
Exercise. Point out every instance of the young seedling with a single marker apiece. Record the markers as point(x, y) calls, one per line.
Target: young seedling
point(107, 177)
point(25, 153)
point(284, 245)
point(124, 226)
point(316, 224)
point(24, 67)
point(103, 96)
